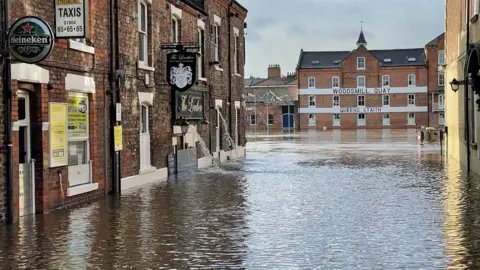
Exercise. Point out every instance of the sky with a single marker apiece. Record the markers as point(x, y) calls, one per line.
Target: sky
point(278, 29)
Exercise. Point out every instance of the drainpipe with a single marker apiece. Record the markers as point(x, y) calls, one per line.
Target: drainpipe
point(428, 93)
point(230, 114)
point(466, 107)
point(7, 98)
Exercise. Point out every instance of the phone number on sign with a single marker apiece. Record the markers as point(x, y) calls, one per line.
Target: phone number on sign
point(61, 29)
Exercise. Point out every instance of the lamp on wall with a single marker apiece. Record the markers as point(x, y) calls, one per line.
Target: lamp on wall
point(183, 125)
point(455, 84)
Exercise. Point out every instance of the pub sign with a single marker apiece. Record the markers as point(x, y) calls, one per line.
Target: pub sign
point(181, 70)
point(189, 104)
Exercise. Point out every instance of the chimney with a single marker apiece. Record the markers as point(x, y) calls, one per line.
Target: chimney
point(274, 71)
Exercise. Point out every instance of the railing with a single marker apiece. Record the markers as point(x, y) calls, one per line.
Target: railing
point(438, 107)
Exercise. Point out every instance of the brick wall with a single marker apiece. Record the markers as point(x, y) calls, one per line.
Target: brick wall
point(262, 118)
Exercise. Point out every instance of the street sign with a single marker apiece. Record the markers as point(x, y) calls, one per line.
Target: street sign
point(181, 70)
point(30, 39)
point(71, 18)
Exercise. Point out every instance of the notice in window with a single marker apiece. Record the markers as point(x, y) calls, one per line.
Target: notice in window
point(77, 117)
point(58, 134)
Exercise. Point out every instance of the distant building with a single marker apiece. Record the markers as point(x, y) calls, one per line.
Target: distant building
point(271, 102)
point(366, 88)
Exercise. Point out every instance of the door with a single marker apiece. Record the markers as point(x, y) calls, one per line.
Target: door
point(441, 118)
point(386, 119)
point(144, 138)
point(288, 121)
point(26, 185)
point(218, 130)
point(441, 101)
point(336, 119)
point(411, 118)
point(361, 119)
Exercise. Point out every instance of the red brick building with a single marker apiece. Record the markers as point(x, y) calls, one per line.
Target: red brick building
point(77, 75)
point(365, 88)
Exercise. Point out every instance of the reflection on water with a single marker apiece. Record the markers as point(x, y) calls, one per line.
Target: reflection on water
point(314, 200)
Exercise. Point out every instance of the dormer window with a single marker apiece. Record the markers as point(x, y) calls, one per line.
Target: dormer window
point(412, 59)
point(387, 60)
point(360, 62)
point(315, 62)
point(336, 62)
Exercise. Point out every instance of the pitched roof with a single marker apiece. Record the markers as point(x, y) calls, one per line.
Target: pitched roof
point(434, 41)
point(252, 81)
point(276, 81)
point(333, 59)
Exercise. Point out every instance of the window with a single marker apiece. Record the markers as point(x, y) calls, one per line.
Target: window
point(441, 78)
point(216, 29)
point(441, 58)
point(311, 101)
point(386, 100)
point(312, 121)
point(411, 100)
point(335, 82)
point(361, 119)
point(201, 57)
point(360, 62)
point(336, 119)
point(411, 80)
point(411, 118)
point(336, 101)
point(175, 27)
point(253, 119)
point(475, 7)
point(236, 59)
point(311, 82)
point(360, 101)
point(143, 31)
point(270, 119)
point(360, 81)
point(385, 80)
point(78, 137)
point(144, 119)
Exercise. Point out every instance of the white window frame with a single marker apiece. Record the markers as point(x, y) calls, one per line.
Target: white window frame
point(441, 56)
point(235, 54)
point(335, 82)
point(175, 27)
point(414, 118)
point(364, 119)
point(216, 28)
point(385, 80)
point(476, 7)
point(144, 33)
point(384, 121)
point(408, 100)
point(309, 84)
point(336, 104)
point(80, 44)
point(364, 82)
point(312, 99)
point(312, 120)
point(364, 101)
point(387, 98)
point(147, 126)
point(411, 80)
point(441, 78)
point(336, 121)
point(359, 66)
point(201, 56)
point(253, 120)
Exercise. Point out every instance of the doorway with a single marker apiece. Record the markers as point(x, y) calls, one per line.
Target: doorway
point(145, 161)
point(26, 175)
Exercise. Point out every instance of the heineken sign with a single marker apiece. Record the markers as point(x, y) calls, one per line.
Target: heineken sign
point(30, 39)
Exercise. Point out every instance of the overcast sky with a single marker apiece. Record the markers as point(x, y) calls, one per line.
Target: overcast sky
point(278, 29)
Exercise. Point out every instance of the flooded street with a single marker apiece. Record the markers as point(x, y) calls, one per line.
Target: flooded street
point(324, 200)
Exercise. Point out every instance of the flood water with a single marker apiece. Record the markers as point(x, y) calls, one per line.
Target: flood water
point(318, 200)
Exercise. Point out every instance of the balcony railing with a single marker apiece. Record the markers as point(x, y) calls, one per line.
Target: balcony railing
point(438, 107)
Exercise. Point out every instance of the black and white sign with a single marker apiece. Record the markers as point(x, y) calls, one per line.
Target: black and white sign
point(181, 70)
point(189, 104)
point(71, 17)
point(361, 110)
point(361, 91)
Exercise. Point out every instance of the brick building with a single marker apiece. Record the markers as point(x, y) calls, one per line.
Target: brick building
point(77, 74)
point(364, 88)
point(271, 100)
point(462, 50)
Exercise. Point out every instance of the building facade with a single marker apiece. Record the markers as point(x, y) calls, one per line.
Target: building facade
point(271, 103)
point(462, 43)
point(364, 88)
point(83, 79)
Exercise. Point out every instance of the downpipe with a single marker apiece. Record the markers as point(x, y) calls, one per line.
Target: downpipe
point(230, 75)
point(466, 99)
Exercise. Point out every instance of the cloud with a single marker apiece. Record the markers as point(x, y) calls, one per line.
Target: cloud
point(278, 29)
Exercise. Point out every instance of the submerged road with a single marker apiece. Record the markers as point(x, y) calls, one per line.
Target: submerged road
point(318, 200)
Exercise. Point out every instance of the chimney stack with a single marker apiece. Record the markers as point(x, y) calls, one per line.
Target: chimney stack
point(274, 71)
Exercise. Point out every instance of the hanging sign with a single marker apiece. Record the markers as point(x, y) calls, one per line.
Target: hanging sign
point(30, 39)
point(182, 70)
point(71, 18)
point(58, 134)
point(189, 104)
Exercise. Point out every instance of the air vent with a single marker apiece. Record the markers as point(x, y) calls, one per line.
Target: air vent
point(412, 59)
point(387, 60)
point(337, 61)
point(315, 62)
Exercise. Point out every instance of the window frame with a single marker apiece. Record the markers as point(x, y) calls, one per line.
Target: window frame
point(254, 118)
point(359, 62)
point(312, 120)
point(387, 80)
point(201, 56)
point(216, 38)
point(272, 118)
point(314, 82)
point(337, 80)
point(312, 99)
point(143, 32)
point(364, 82)
point(408, 100)
point(441, 78)
point(333, 101)
point(441, 56)
point(364, 101)
point(85, 139)
point(414, 81)
point(387, 98)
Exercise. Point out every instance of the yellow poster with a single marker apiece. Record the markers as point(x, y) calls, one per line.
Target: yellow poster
point(58, 134)
point(118, 138)
point(77, 117)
